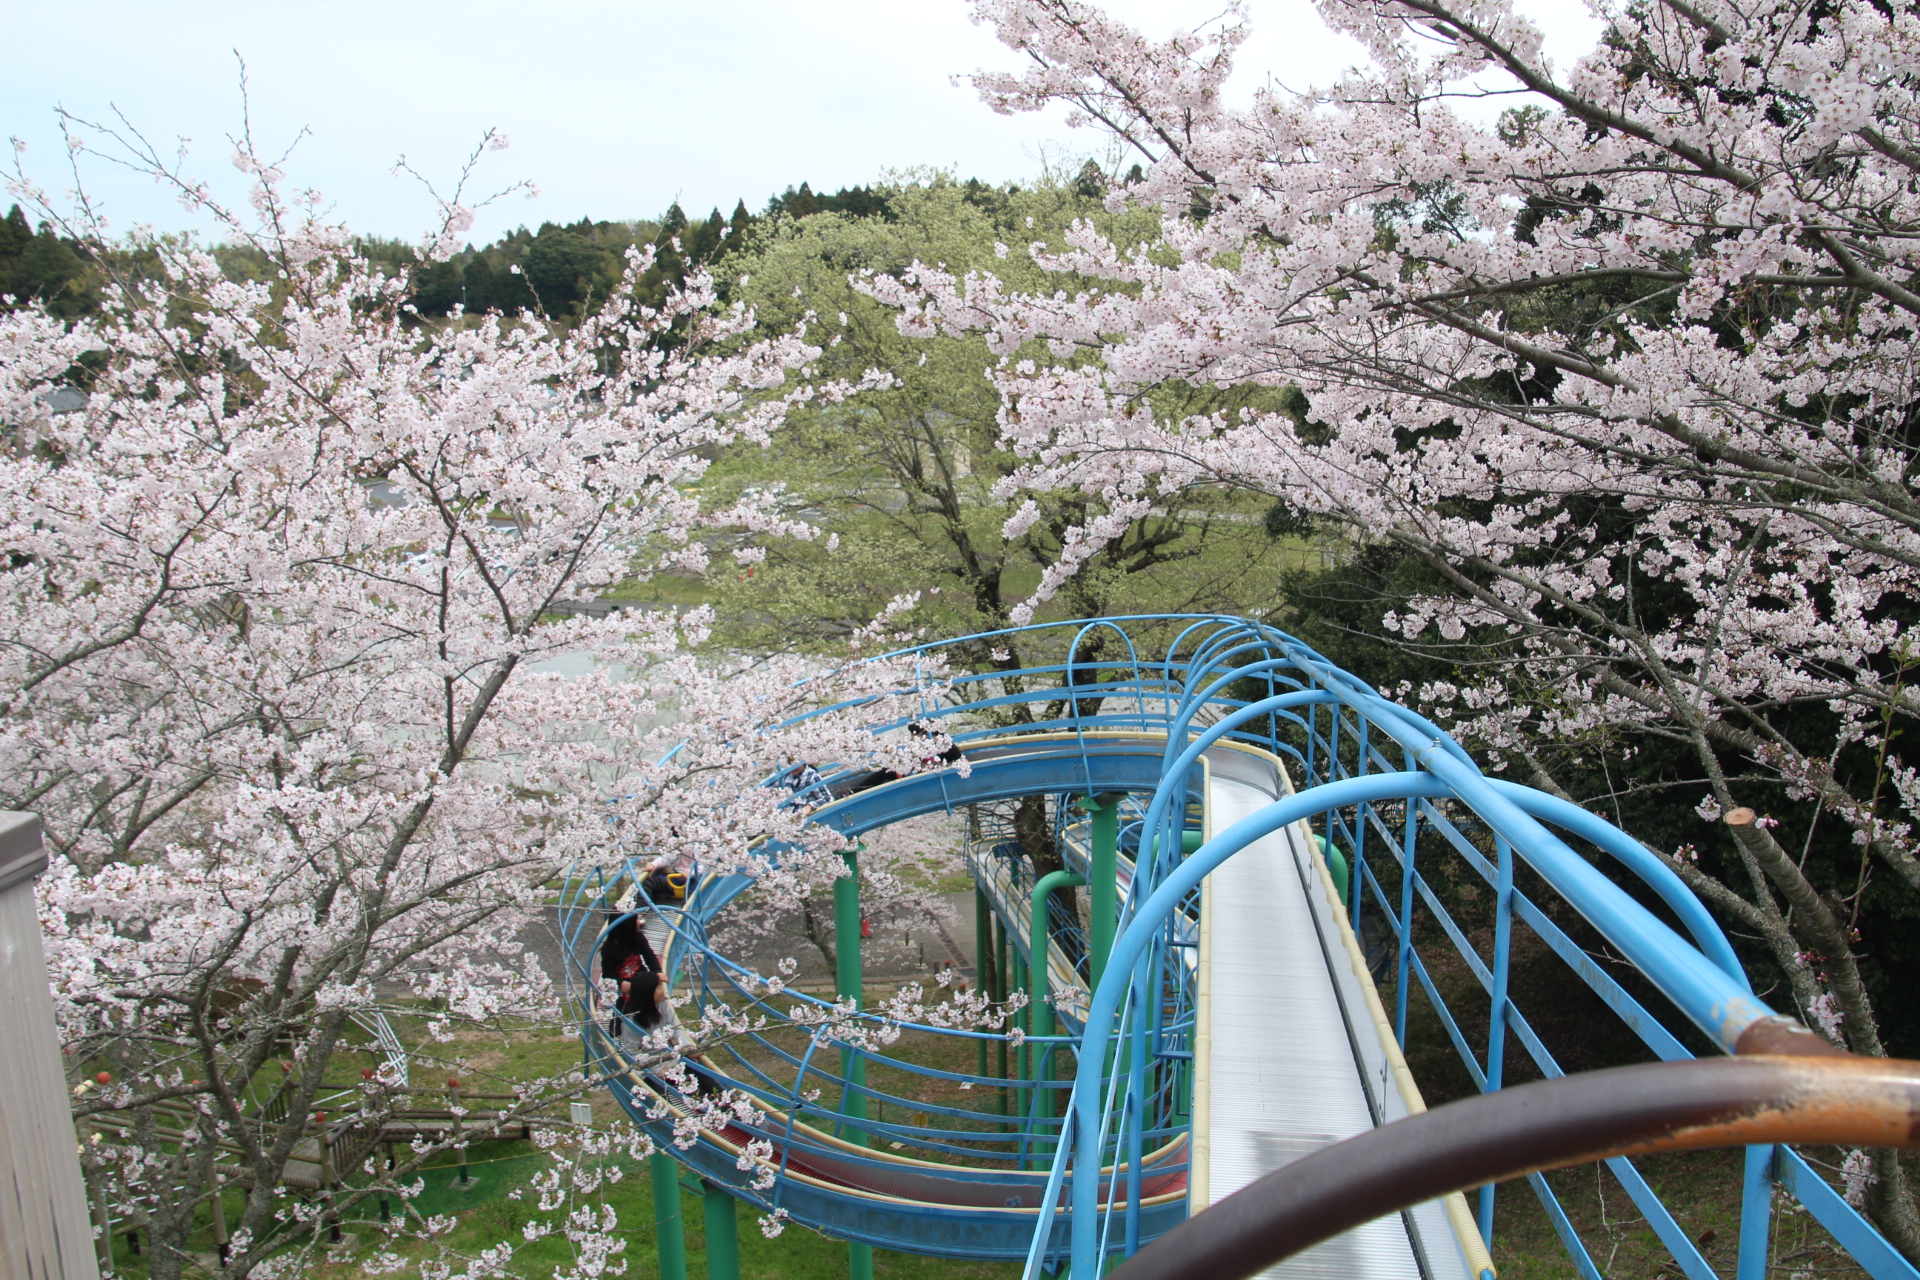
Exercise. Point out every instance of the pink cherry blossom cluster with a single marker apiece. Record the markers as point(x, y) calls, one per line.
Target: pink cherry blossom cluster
point(290, 676)
point(1743, 400)
point(1629, 373)
point(1631, 369)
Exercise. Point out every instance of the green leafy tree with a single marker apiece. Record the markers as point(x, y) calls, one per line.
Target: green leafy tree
point(910, 481)
point(437, 288)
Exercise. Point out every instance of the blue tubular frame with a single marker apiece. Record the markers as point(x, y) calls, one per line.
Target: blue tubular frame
point(1354, 756)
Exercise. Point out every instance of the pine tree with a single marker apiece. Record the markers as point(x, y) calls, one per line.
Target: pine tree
point(476, 285)
point(704, 242)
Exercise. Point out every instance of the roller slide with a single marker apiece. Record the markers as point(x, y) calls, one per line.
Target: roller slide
point(1210, 1018)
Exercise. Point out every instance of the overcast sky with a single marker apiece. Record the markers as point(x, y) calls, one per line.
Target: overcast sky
point(614, 107)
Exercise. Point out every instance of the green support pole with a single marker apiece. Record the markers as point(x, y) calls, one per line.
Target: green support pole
point(1000, 994)
point(1103, 899)
point(1336, 867)
point(846, 948)
point(1023, 1019)
point(982, 958)
point(853, 1066)
point(723, 1234)
point(1038, 995)
point(1103, 890)
point(665, 1172)
point(1190, 841)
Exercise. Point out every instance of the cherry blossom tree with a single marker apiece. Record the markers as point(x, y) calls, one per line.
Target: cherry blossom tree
point(285, 598)
point(1630, 370)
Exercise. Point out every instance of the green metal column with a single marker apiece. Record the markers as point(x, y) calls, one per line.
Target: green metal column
point(1000, 995)
point(665, 1172)
point(1038, 995)
point(1023, 1019)
point(1103, 899)
point(723, 1234)
point(853, 1066)
point(982, 958)
point(846, 948)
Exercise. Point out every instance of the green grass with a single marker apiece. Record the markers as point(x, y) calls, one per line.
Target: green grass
point(664, 588)
point(797, 1254)
point(486, 1213)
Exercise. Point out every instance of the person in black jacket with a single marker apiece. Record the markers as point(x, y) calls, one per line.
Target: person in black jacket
point(929, 762)
point(662, 886)
point(626, 958)
point(641, 1004)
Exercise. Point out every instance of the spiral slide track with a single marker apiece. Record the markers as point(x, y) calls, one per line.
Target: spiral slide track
point(849, 1180)
point(1223, 1021)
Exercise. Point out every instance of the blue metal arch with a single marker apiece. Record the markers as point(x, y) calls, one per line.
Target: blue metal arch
point(1337, 731)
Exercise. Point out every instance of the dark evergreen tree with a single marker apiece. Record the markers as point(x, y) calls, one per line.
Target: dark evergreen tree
point(436, 287)
point(855, 202)
point(15, 234)
point(476, 285)
point(1090, 183)
point(799, 203)
point(45, 266)
point(673, 224)
point(705, 239)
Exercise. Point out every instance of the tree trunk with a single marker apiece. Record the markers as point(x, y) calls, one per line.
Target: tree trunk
point(1888, 1203)
point(1033, 828)
point(821, 937)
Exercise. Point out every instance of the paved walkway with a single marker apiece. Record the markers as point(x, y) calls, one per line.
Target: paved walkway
point(893, 954)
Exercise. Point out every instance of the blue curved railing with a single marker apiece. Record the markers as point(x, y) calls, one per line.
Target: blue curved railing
point(1401, 802)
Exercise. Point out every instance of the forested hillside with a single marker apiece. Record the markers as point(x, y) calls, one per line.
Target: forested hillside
point(38, 264)
point(558, 271)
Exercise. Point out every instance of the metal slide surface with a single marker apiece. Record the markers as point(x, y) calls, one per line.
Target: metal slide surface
point(1281, 1063)
point(1287, 1060)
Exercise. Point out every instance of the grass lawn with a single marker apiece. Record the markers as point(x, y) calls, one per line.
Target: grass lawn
point(490, 1216)
point(486, 1213)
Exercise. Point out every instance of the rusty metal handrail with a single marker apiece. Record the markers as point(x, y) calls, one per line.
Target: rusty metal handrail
point(1624, 1111)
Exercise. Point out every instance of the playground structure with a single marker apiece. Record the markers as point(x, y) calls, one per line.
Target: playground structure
point(1264, 844)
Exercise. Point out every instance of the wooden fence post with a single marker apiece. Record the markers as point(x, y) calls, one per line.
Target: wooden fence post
point(328, 1178)
point(44, 1227)
point(102, 1222)
point(221, 1241)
